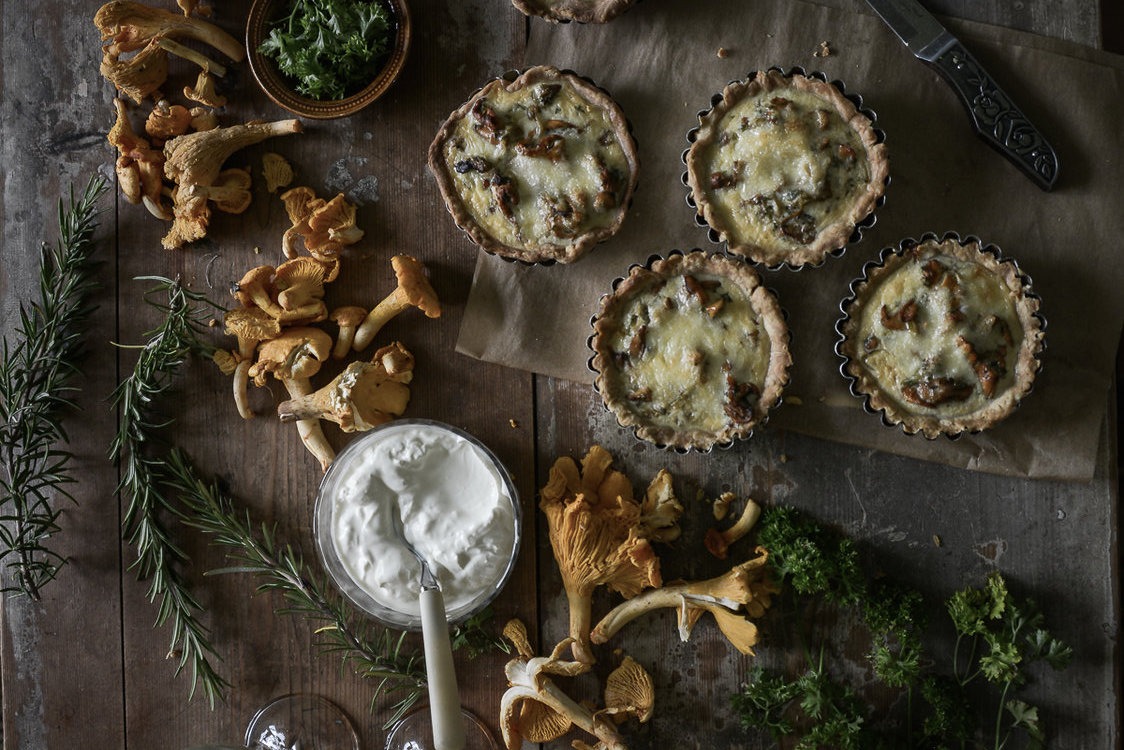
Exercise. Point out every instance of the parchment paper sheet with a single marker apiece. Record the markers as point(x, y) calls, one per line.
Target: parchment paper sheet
point(660, 62)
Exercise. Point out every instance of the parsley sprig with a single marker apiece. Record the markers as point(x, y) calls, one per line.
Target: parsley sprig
point(330, 48)
point(998, 639)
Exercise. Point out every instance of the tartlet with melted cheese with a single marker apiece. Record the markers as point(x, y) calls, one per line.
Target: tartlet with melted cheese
point(691, 351)
point(581, 11)
point(783, 168)
point(537, 169)
point(943, 336)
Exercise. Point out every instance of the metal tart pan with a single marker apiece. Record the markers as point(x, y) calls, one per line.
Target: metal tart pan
point(717, 445)
point(508, 77)
point(848, 305)
point(861, 226)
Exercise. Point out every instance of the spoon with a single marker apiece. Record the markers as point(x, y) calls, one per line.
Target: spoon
point(444, 699)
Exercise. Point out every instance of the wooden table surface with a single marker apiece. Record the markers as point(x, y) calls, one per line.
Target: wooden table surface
point(85, 666)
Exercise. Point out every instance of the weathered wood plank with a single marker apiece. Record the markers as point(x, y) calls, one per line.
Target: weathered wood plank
point(62, 658)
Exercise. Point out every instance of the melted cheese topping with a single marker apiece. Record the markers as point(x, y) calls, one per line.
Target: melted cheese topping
point(680, 362)
point(552, 166)
point(784, 166)
point(962, 311)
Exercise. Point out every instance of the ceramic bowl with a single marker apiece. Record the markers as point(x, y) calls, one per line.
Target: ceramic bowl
point(280, 89)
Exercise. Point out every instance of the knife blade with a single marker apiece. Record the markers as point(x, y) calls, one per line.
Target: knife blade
point(995, 117)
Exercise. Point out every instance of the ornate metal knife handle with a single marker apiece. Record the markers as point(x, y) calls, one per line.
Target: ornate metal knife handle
point(997, 120)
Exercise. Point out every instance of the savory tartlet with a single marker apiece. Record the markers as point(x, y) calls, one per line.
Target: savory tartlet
point(941, 336)
point(691, 351)
point(783, 167)
point(581, 11)
point(539, 168)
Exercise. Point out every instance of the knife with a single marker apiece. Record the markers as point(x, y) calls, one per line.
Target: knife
point(994, 116)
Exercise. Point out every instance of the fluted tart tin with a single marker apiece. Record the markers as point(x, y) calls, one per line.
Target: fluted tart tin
point(786, 168)
point(941, 335)
point(690, 350)
point(538, 166)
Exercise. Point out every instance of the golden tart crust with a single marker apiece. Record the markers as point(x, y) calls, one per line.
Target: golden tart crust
point(942, 337)
point(691, 351)
point(783, 168)
point(581, 11)
point(537, 169)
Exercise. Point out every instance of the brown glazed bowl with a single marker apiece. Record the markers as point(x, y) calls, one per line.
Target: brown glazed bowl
point(278, 88)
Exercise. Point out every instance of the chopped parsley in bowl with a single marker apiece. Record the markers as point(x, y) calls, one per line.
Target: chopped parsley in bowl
point(326, 58)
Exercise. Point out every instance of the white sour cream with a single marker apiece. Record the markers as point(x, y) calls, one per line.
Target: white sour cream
point(456, 506)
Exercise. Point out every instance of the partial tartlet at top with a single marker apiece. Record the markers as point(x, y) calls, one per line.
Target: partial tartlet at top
point(537, 169)
point(943, 336)
point(690, 350)
point(581, 11)
point(783, 167)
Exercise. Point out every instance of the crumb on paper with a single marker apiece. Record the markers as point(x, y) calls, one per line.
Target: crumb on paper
point(795, 401)
point(936, 540)
point(513, 423)
point(723, 53)
point(824, 50)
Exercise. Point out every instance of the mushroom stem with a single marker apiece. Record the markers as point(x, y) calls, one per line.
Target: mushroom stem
point(312, 435)
point(384, 311)
point(241, 385)
point(187, 53)
point(581, 619)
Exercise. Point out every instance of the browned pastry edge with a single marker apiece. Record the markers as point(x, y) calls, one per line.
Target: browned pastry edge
point(832, 237)
point(581, 244)
point(1027, 360)
point(580, 11)
point(763, 302)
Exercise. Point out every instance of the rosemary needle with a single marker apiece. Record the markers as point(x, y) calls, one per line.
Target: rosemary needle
point(36, 374)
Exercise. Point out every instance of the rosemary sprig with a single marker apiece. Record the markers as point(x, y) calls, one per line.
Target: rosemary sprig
point(375, 652)
point(36, 372)
point(145, 479)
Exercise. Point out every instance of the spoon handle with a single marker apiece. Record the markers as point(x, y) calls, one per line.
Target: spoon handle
point(444, 700)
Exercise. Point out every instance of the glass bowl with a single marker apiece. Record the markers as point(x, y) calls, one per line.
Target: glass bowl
point(346, 489)
point(280, 89)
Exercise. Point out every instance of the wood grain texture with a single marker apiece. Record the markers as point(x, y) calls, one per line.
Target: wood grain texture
point(86, 666)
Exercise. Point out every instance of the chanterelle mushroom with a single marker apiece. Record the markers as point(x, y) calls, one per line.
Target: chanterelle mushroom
point(204, 92)
point(629, 691)
point(293, 358)
point(743, 592)
point(596, 534)
point(167, 120)
point(195, 160)
point(251, 325)
point(719, 541)
point(326, 227)
point(128, 26)
point(140, 168)
point(139, 75)
point(534, 708)
point(413, 290)
point(364, 395)
point(348, 319)
point(276, 170)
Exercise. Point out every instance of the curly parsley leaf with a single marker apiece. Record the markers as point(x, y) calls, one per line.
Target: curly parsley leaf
point(330, 48)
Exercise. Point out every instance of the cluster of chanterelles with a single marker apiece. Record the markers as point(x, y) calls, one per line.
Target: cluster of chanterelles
point(601, 536)
point(180, 158)
point(274, 325)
